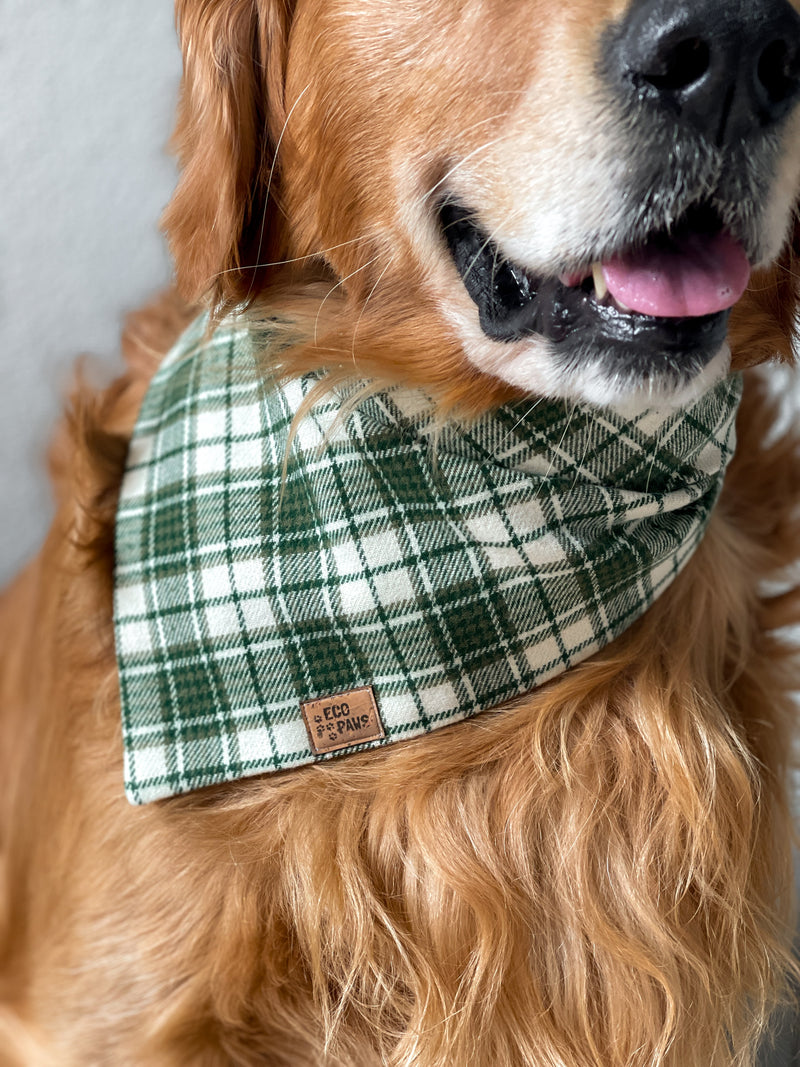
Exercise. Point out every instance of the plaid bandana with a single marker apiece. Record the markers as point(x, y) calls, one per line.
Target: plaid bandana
point(394, 576)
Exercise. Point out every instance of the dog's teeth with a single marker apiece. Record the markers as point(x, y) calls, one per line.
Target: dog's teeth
point(600, 287)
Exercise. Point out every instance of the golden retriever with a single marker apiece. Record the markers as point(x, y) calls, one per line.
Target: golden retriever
point(599, 874)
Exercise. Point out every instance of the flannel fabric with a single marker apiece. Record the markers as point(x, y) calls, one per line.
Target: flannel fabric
point(449, 568)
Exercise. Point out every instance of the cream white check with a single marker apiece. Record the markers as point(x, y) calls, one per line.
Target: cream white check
point(449, 570)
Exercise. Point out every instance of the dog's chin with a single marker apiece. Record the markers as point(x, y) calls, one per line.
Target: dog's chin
point(534, 367)
point(633, 393)
point(559, 336)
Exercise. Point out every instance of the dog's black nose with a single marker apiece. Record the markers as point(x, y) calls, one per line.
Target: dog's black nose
point(729, 68)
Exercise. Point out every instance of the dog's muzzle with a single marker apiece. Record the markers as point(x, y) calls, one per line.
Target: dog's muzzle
point(703, 89)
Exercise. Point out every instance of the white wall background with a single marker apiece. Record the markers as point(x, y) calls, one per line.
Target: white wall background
point(87, 95)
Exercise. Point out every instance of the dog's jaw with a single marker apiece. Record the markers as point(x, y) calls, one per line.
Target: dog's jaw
point(531, 367)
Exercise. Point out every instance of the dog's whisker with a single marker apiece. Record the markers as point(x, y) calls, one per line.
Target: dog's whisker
point(364, 308)
point(490, 240)
point(523, 417)
point(338, 284)
point(268, 190)
point(500, 117)
point(786, 270)
point(581, 465)
point(656, 451)
point(462, 162)
point(295, 259)
point(571, 409)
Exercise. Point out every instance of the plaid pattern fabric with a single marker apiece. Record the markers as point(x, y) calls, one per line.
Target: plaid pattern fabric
point(449, 568)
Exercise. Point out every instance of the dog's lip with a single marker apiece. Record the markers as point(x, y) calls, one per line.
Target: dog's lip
point(514, 303)
point(694, 269)
point(691, 269)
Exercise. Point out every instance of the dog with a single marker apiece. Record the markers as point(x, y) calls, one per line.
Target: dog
point(486, 203)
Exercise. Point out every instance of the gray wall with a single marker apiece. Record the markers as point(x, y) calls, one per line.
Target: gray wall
point(87, 94)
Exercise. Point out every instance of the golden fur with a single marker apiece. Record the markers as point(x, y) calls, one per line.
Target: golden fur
point(597, 876)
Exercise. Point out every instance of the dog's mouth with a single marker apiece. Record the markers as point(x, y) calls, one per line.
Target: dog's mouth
point(654, 312)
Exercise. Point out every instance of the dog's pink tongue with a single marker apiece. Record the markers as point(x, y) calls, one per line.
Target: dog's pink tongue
point(695, 275)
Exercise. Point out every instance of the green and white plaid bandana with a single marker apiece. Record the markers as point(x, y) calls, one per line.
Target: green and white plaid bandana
point(393, 579)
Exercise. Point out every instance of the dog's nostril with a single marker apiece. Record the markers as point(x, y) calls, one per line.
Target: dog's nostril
point(678, 65)
point(778, 72)
point(729, 70)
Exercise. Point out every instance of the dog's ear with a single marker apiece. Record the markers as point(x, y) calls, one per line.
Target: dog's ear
point(224, 217)
point(764, 324)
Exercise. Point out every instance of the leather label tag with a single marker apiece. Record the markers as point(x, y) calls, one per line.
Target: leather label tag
point(342, 720)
